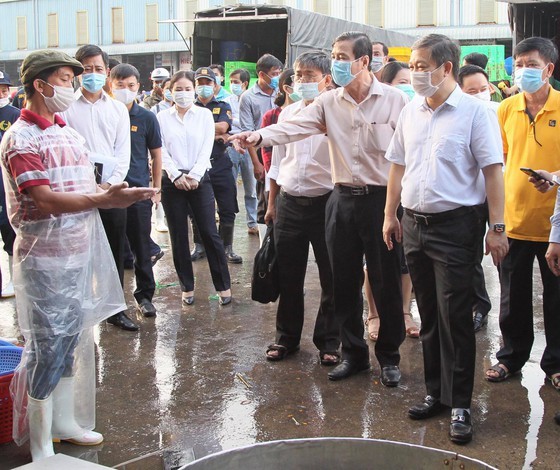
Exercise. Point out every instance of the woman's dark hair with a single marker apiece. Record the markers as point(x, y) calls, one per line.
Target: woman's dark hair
point(391, 70)
point(285, 79)
point(188, 74)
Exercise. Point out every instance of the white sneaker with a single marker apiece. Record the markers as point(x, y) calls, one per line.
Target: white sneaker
point(162, 227)
point(8, 291)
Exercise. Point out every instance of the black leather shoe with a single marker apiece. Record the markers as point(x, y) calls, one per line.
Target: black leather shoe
point(429, 407)
point(460, 429)
point(480, 320)
point(390, 376)
point(198, 252)
point(232, 257)
point(122, 321)
point(147, 308)
point(226, 300)
point(347, 368)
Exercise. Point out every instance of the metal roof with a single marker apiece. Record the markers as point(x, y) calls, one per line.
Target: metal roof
point(463, 33)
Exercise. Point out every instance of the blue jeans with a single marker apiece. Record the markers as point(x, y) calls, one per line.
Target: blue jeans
point(243, 164)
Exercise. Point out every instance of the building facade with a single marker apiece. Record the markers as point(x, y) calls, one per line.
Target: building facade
point(131, 31)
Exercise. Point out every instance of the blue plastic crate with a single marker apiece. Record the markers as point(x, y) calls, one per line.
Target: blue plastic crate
point(10, 356)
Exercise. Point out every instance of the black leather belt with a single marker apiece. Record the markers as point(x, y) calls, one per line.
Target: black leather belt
point(303, 200)
point(425, 218)
point(360, 190)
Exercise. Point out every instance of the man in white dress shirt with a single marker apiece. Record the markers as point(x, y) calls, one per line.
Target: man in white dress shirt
point(105, 124)
point(441, 144)
point(300, 185)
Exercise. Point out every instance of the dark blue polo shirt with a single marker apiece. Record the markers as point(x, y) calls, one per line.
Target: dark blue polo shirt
point(221, 112)
point(144, 135)
point(8, 115)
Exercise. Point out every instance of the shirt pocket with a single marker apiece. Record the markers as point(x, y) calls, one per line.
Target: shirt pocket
point(378, 137)
point(451, 147)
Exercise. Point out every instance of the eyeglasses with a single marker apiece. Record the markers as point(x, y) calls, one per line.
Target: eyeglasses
point(306, 78)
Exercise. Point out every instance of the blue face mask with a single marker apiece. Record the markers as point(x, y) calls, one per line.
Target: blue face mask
point(93, 82)
point(273, 82)
point(528, 79)
point(205, 91)
point(342, 71)
point(407, 89)
point(236, 89)
point(167, 95)
point(295, 95)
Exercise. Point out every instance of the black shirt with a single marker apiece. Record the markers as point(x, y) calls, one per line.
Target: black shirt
point(8, 115)
point(144, 135)
point(221, 111)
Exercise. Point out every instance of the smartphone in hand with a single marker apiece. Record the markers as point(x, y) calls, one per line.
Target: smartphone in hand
point(534, 174)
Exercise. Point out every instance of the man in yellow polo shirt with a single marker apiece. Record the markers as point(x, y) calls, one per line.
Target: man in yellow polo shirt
point(530, 125)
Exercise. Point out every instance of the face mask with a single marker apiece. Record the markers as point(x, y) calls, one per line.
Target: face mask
point(61, 100)
point(483, 95)
point(407, 89)
point(124, 95)
point(183, 99)
point(205, 91)
point(422, 83)
point(528, 79)
point(376, 64)
point(310, 91)
point(273, 82)
point(4, 102)
point(236, 89)
point(167, 95)
point(219, 80)
point(342, 71)
point(295, 95)
point(93, 82)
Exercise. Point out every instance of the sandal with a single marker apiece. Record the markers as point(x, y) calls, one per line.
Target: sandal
point(283, 351)
point(554, 380)
point(372, 325)
point(503, 374)
point(411, 328)
point(329, 361)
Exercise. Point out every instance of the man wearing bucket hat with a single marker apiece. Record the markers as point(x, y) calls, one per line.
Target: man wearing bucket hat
point(8, 115)
point(64, 275)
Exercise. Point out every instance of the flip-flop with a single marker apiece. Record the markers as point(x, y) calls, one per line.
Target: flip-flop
point(373, 328)
point(412, 330)
point(283, 351)
point(502, 373)
point(329, 362)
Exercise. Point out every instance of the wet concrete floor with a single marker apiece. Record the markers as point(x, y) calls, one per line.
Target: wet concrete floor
point(194, 381)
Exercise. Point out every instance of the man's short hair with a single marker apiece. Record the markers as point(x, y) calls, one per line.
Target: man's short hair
point(361, 44)
point(113, 62)
point(219, 67)
point(315, 60)
point(383, 45)
point(122, 71)
point(244, 75)
point(91, 50)
point(476, 58)
point(28, 87)
point(545, 47)
point(442, 49)
point(468, 70)
point(268, 62)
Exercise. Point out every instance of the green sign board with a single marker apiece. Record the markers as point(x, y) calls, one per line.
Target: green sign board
point(495, 54)
point(251, 67)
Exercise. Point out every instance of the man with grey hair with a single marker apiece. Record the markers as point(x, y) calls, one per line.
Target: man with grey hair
point(359, 119)
point(300, 185)
point(440, 146)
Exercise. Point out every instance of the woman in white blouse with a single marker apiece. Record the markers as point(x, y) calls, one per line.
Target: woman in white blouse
point(187, 133)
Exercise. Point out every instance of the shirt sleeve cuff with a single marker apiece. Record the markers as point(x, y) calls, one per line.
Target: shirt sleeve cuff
point(554, 235)
point(273, 172)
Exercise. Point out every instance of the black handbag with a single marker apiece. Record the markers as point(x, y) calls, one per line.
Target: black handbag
point(264, 283)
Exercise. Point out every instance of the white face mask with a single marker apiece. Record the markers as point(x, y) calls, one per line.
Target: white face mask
point(483, 95)
point(4, 102)
point(61, 100)
point(183, 99)
point(376, 64)
point(422, 83)
point(124, 95)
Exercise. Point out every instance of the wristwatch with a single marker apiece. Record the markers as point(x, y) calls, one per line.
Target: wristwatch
point(499, 228)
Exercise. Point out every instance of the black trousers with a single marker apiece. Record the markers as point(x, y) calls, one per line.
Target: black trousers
point(262, 196)
point(353, 229)
point(138, 227)
point(516, 308)
point(178, 204)
point(481, 302)
point(225, 189)
point(442, 257)
point(114, 223)
point(296, 226)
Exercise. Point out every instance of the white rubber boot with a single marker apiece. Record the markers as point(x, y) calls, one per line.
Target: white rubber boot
point(39, 414)
point(8, 290)
point(64, 422)
point(161, 226)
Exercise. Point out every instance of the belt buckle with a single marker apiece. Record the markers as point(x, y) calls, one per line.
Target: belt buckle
point(421, 218)
point(359, 191)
